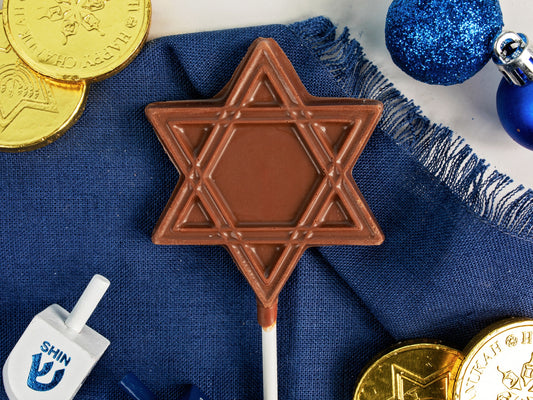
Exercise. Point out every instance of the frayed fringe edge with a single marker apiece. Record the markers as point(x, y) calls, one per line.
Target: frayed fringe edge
point(488, 193)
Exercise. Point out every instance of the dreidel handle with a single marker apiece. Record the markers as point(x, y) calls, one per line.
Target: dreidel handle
point(87, 303)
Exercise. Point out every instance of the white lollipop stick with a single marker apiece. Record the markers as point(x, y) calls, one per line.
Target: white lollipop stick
point(270, 363)
point(57, 350)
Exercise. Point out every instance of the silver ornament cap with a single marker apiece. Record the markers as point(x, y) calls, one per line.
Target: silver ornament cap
point(513, 57)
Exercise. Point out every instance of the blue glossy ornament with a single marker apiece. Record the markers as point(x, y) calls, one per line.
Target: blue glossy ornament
point(514, 99)
point(442, 42)
point(515, 109)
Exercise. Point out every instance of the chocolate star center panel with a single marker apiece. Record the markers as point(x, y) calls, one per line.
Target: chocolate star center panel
point(266, 170)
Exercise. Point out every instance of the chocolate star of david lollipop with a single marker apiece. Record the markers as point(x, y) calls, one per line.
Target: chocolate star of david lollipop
point(266, 171)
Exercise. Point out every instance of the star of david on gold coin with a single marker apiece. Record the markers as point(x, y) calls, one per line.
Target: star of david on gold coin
point(266, 170)
point(74, 40)
point(414, 371)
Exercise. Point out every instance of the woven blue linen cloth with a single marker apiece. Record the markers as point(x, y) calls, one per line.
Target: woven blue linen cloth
point(458, 253)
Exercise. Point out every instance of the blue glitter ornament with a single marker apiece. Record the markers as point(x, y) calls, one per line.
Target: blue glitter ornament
point(442, 42)
point(514, 99)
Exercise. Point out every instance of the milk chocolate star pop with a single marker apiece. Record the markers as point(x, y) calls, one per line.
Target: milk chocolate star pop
point(266, 171)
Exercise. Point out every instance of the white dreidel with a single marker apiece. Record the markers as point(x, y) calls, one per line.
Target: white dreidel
point(57, 350)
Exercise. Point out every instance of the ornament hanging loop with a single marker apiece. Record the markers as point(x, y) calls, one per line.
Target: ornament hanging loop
point(513, 58)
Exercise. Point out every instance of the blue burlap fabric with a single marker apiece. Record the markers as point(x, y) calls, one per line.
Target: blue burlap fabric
point(458, 253)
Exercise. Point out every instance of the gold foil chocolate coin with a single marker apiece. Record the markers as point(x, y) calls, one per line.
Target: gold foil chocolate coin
point(415, 371)
point(74, 40)
point(34, 110)
point(498, 364)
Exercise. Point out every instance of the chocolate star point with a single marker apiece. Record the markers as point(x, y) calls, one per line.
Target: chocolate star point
point(266, 171)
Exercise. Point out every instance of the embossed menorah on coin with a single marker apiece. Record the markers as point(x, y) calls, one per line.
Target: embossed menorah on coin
point(266, 171)
point(498, 364)
point(49, 51)
point(34, 110)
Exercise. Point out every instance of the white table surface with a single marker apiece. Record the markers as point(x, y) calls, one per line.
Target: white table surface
point(469, 108)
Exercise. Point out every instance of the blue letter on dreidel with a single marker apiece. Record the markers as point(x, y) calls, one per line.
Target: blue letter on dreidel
point(35, 373)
